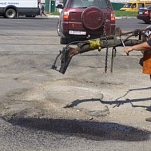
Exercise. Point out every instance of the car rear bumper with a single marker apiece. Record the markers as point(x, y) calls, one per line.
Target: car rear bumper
point(143, 17)
point(80, 31)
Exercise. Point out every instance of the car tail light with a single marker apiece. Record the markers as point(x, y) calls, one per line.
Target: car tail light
point(66, 14)
point(112, 16)
point(146, 12)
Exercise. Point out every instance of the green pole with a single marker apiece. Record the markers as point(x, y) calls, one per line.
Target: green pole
point(53, 6)
point(47, 5)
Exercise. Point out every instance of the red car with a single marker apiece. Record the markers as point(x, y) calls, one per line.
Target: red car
point(144, 14)
point(85, 19)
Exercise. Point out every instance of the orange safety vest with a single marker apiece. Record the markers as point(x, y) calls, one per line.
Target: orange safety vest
point(147, 62)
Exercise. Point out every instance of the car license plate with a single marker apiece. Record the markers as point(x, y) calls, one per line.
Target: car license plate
point(140, 12)
point(71, 32)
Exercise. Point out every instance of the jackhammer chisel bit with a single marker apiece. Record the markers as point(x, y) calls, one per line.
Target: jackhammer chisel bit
point(65, 60)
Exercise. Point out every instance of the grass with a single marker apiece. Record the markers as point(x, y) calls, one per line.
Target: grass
point(124, 13)
point(117, 13)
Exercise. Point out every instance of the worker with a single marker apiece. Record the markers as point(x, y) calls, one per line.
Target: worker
point(145, 47)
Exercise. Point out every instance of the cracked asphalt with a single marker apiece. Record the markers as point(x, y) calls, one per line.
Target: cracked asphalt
point(85, 109)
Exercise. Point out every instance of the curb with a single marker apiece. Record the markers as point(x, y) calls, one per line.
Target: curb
point(124, 17)
point(53, 16)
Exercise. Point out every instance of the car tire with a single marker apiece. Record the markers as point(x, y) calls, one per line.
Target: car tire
point(147, 21)
point(63, 40)
point(10, 13)
point(58, 28)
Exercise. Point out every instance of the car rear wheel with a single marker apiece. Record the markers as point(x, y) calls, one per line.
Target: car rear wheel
point(10, 13)
point(147, 21)
point(64, 40)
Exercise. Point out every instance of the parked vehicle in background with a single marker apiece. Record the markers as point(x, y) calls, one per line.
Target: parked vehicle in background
point(144, 14)
point(85, 19)
point(135, 5)
point(15, 8)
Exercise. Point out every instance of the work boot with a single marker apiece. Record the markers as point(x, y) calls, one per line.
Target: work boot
point(67, 54)
point(148, 119)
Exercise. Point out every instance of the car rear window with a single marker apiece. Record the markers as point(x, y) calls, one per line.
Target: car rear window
point(102, 4)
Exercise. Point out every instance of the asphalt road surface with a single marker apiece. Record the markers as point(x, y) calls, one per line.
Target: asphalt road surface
point(43, 110)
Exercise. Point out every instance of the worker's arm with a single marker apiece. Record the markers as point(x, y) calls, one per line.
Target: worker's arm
point(140, 47)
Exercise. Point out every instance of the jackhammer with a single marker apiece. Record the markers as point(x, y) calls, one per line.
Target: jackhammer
point(111, 41)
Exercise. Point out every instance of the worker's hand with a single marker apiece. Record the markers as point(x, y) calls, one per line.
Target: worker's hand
point(127, 50)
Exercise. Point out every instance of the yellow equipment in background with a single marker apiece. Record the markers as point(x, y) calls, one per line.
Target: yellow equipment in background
point(133, 6)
